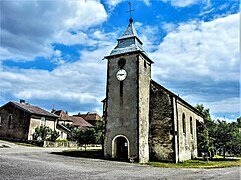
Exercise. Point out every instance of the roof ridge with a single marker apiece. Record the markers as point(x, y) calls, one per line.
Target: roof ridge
point(33, 109)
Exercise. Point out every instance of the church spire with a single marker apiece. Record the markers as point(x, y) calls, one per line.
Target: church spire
point(129, 41)
point(130, 20)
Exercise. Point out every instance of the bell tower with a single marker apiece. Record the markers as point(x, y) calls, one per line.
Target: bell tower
point(127, 99)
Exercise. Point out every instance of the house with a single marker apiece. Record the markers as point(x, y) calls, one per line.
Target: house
point(90, 117)
point(64, 118)
point(76, 121)
point(19, 120)
point(80, 123)
point(144, 120)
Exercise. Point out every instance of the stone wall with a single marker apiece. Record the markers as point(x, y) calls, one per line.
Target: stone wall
point(144, 100)
point(121, 110)
point(60, 144)
point(17, 129)
point(161, 139)
point(127, 110)
point(187, 137)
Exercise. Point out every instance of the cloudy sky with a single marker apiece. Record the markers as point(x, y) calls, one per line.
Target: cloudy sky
point(51, 51)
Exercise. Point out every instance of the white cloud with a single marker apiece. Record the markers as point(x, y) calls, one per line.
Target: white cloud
point(113, 3)
point(200, 50)
point(29, 34)
point(230, 105)
point(76, 84)
point(181, 3)
point(169, 27)
point(200, 60)
point(148, 35)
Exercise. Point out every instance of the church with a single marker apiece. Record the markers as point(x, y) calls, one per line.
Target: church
point(144, 121)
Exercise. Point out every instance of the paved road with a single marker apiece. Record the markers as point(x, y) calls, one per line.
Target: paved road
point(18, 162)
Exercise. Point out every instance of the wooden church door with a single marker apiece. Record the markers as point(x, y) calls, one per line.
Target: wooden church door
point(121, 149)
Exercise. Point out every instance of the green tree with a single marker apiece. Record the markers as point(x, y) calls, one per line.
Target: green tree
point(53, 135)
point(205, 112)
point(99, 132)
point(239, 122)
point(86, 136)
point(41, 132)
point(227, 137)
point(205, 142)
point(73, 134)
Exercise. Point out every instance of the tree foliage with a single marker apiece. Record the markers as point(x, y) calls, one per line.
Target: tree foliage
point(86, 135)
point(99, 132)
point(53, 135)
point(45, 133)
point(73, 134)
point(239, 122)
point(205, 143)
point(219, 135)
point(41, 133)
point(205, 112)
point(227, 137)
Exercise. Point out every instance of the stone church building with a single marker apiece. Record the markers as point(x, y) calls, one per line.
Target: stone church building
point(144, 120)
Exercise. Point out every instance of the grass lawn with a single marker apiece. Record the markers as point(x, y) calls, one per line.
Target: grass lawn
point(20, 143)
point(24, 144)
point(198, 163)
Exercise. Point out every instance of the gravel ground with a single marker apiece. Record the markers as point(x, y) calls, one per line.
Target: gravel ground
point(18, 162)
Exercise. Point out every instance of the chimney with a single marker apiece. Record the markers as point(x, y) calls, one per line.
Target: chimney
point(22, 101)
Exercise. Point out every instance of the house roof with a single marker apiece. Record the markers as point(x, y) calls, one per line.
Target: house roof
point(63, 116)
point(80, 122)
point(62, 127)
point(90, 116)
point(32, 109)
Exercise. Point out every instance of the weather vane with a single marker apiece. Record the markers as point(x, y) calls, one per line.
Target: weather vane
point(130, 20)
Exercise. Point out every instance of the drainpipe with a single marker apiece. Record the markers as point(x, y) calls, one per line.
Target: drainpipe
point(175, 119)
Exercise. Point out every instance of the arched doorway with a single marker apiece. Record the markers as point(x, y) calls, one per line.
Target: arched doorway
point(120, 148)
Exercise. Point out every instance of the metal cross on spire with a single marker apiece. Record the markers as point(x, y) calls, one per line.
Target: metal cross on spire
point(130, 20)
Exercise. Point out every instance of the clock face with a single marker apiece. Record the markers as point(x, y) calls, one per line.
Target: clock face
point(121, 75)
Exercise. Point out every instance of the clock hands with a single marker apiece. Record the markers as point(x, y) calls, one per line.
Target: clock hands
point(121, 75)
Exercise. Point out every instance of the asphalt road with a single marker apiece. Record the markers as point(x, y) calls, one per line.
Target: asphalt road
point(18, 162)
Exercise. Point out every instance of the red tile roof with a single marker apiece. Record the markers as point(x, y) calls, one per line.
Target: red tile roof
point(63, 116)
point(90, 116)
point(33, 109)
point(80, 122)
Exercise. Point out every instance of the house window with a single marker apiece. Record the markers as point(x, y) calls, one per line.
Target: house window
point(43, 122)
point(183, 128)
point(0, 121)
point(10, 121)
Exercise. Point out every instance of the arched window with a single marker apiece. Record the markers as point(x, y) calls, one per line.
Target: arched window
point(184, 128)
point(191, 128)
point(10, 121)
point(183, 123)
